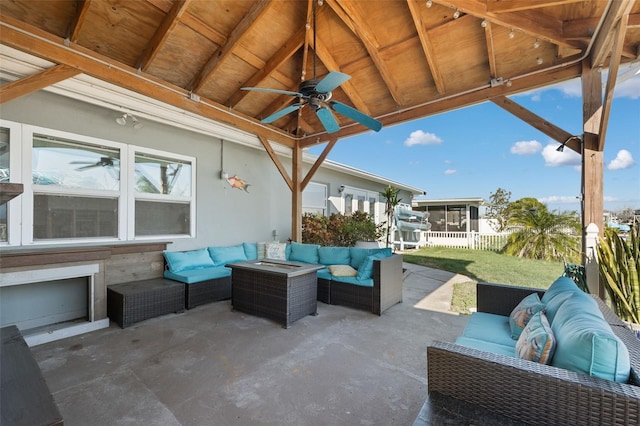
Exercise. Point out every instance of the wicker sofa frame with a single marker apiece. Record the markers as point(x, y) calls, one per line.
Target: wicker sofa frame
point(386, 290)
point(208, 291)
point(530, 392)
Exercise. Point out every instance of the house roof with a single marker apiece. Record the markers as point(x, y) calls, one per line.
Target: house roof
point(449, 201)
point(407, 59)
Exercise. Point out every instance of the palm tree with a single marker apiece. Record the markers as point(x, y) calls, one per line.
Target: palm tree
point(544, 235)
point(391, 195)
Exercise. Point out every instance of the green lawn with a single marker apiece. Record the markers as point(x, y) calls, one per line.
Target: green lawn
point(487, 266)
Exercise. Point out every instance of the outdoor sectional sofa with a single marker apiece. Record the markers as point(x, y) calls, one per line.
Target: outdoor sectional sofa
point(593, 373)
point(363, 278)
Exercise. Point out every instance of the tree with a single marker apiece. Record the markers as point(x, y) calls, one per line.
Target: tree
point(542, 234)
point(392, 197)
point(498, 204)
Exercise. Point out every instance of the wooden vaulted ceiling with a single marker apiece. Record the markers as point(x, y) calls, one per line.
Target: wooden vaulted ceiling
point(407, 58)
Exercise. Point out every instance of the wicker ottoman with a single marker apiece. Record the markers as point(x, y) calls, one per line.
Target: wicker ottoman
point(132, 302)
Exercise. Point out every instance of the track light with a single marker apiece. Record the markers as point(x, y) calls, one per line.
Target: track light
point(483, 24)
point(512, 33)
point(122, 121)
point(429, 3)
point(456, 14)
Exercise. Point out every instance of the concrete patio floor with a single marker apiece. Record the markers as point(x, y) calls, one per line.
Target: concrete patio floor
point(214, 366)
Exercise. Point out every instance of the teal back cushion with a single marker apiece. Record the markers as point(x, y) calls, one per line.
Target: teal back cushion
point(307, 253)
point(187, 260)
point(359, 254)
point(250, 250)
point(334, 255)
point(586, 344)
point(365, 271)
point(228, 254)
point(560, 291)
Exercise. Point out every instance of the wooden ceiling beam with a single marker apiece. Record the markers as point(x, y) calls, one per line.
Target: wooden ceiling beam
point(287, 50)
point(82, 7)
point(525, 21)
point(491, 51)
point(351, 16)
point(538, 122)
point(347, 87)
point(606, 34)
point(37, 42)
point(35, 82)
point(202, 28)
point(276, 161)
point(500, 6)
point(251, 19)
point(316, 165)
point(442, 105)
point(162, 34)
point(618, 42)
point(427, 47)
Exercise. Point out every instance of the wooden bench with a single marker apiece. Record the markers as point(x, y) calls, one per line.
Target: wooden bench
point(135, 301)
point(25, 398)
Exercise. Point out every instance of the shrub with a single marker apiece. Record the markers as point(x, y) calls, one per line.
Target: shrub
point(339, 230)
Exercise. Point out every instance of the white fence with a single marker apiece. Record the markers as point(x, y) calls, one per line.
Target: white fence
point(471, 240)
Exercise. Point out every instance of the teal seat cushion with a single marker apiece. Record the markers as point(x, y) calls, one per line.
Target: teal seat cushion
point(198, 275)
point(586, 344)
point(483, 345)
point(250, 250)
point(365, 271)
point(324, 274)
point(187, 260)
point(490, 328)
point(354, 281)
point(307, 253)
point(228, 254)
point(334, 255)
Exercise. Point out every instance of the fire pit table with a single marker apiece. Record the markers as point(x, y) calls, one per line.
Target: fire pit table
point(279, 290)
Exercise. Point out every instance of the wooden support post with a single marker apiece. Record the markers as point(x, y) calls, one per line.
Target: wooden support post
point(296, 195)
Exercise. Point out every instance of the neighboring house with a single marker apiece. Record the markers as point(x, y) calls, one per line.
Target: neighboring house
point(452, 214)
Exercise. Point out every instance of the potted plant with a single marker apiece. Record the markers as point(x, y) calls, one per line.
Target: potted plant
point(618, 260)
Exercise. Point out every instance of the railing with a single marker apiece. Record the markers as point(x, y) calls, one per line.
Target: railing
point(471, 240)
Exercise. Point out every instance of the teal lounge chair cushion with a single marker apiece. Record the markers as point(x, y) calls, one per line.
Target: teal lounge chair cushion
point(334, 255)
point(229, 254)
point(187, 260)
point(307, 253)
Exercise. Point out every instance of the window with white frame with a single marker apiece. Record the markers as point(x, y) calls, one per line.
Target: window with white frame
point(361, 200)
point(314, 199)
point(78, 188)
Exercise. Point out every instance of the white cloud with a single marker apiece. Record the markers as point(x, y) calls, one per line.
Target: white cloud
point(553, 158)
point(526, 147)
point(623, 160)
point(559, 199)
point(422, 138)
point(450, 171)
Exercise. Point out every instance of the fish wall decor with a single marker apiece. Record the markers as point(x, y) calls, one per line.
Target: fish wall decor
point(238, 183)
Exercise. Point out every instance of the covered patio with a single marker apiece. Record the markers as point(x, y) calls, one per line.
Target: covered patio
point(211, 365)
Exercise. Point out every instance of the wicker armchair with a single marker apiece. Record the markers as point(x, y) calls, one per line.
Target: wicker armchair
point(530, 392)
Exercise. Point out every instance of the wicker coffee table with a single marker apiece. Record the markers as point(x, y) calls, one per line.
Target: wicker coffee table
point(282, 291)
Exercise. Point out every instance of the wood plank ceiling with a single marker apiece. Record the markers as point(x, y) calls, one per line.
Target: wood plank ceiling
point(407, 59)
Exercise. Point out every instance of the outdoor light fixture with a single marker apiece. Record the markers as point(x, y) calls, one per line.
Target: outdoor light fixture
point(536, 44)
point(122, 120)
point(341, 189)
point(429, 3)
point(456, 14)
point(539, 60)
point(483, 24)
point(512, 33)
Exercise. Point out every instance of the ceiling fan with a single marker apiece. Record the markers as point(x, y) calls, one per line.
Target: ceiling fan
point(317, 95)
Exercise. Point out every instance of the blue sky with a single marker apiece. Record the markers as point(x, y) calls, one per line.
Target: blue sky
point(473, 151)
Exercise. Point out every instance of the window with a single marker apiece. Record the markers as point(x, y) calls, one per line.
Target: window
point(361, 200)
point(163, 189)
point(314, 199)
point(78, 188)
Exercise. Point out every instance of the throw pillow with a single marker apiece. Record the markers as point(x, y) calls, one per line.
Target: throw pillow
point(276, 251)
point(522, 313)
point(342, 271)
point(536, 342)
point(365, 271)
